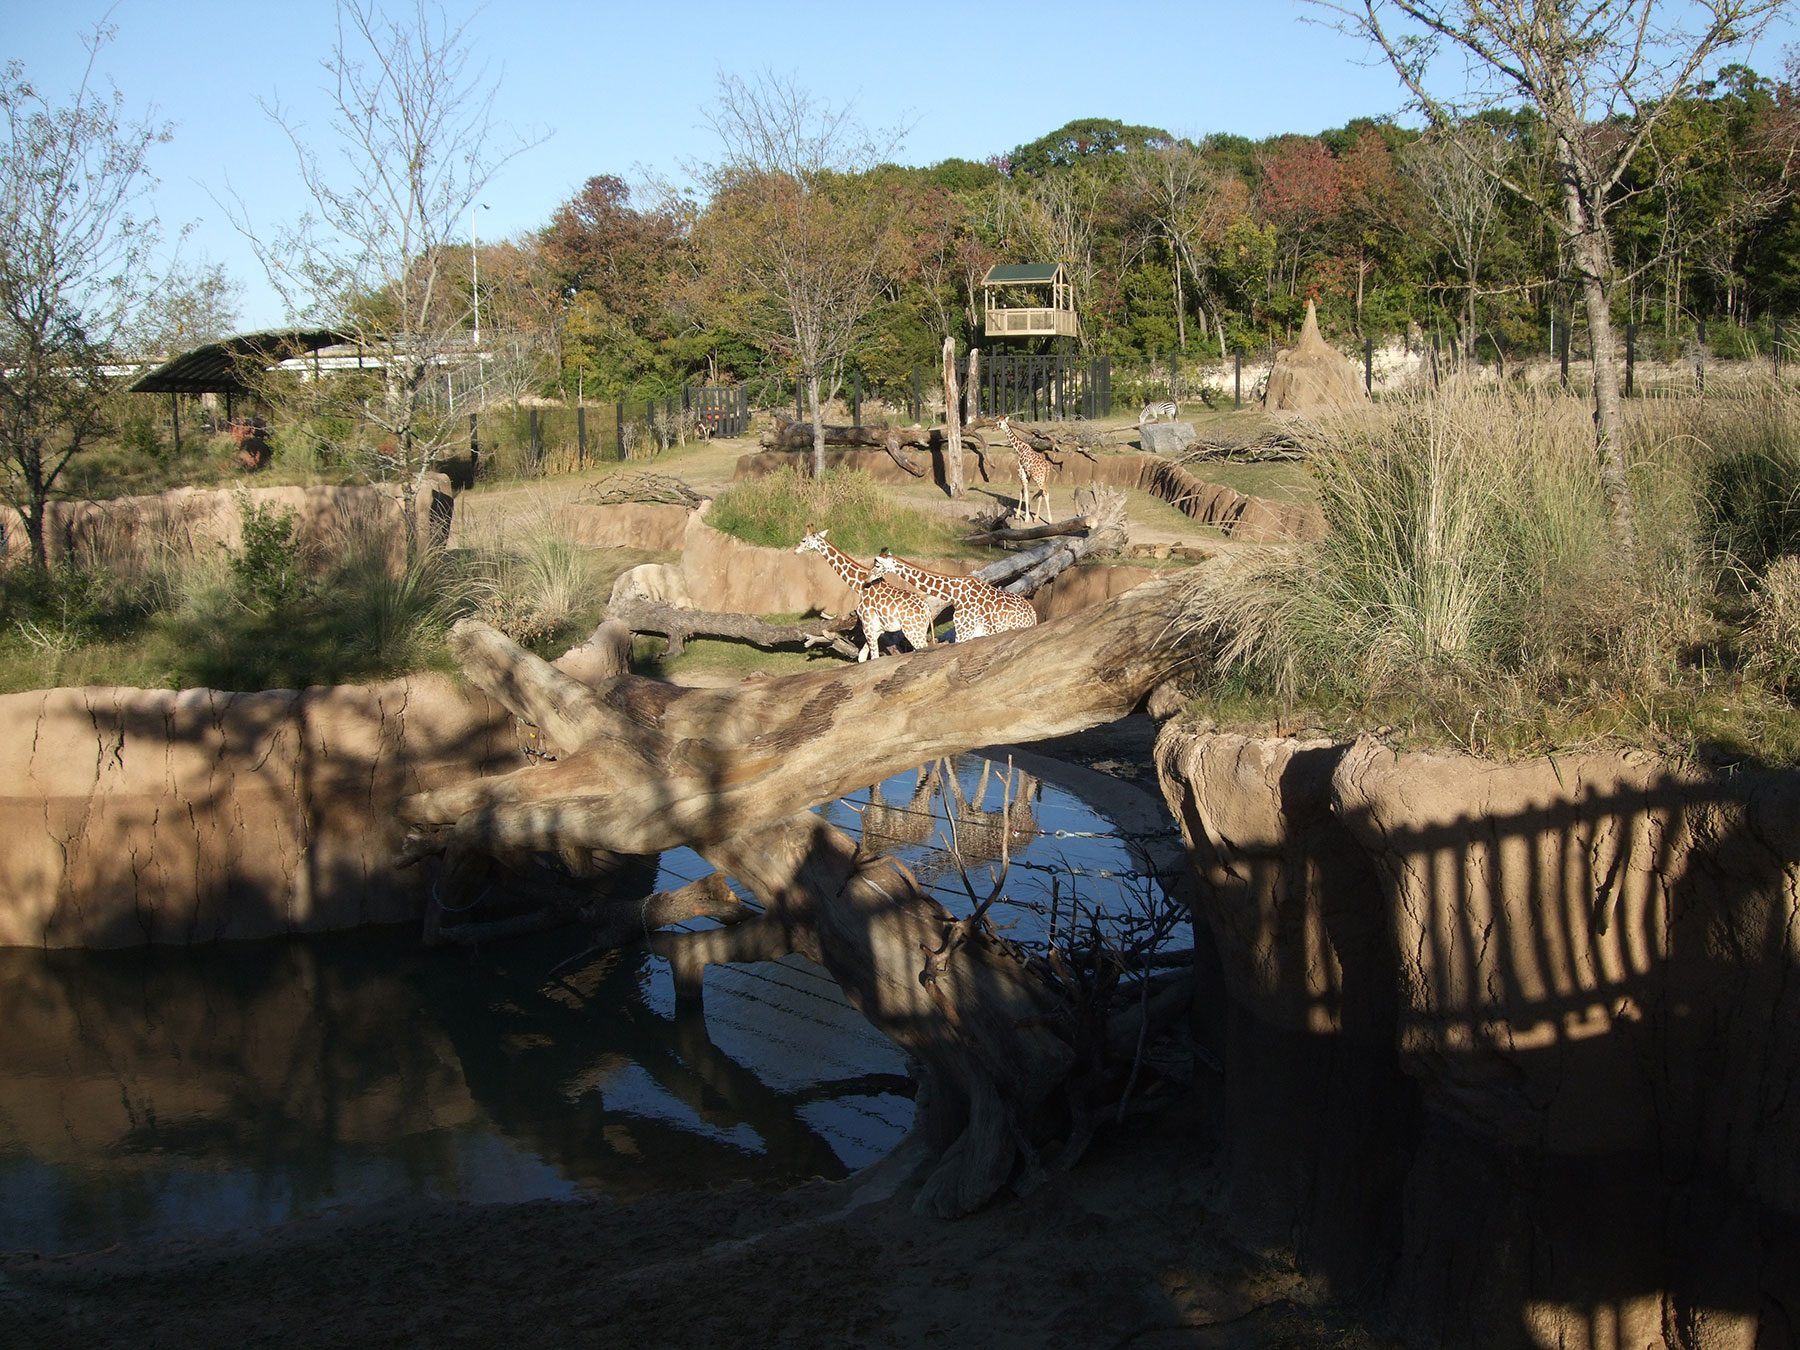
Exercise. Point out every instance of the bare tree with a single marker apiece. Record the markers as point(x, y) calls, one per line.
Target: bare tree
point(792, 247)
point(73, 264)
point(190, 305)
point(382, 254)
point(1601, 74)
point(1458, 171)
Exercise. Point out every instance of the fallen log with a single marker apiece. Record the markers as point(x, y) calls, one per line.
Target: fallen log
point(642, 766)
point(679, 625)
point(790, 435)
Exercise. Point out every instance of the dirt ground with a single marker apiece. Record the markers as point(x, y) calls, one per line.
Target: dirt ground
point(1120, 1251)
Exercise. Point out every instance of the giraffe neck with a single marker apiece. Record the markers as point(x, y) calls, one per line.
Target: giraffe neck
point(843, 564)
point(932, 583)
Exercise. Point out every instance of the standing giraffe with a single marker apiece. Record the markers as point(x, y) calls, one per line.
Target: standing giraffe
point(1034, 468)
point(980, 608)
point(883, 608)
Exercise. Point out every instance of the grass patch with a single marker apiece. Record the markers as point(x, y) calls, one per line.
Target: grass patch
point(716, 658)
point(776, 511)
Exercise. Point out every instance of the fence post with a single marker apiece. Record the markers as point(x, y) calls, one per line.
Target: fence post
point(1568, 324)
point(474, 449)
point(1237, 378)
point(799, 412)
point(619, 426)
point(856, 398)
point(581, 437)
point(1434, 359)
point(1700, 356)
point(537, 441)
point(1369, 366)
point(1630, 356)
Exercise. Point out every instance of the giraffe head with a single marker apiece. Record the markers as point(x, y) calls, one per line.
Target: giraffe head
point(884, 563)
point(814, 542)
point(1003, 424)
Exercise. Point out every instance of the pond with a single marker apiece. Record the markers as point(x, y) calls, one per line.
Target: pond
point(162, 1092)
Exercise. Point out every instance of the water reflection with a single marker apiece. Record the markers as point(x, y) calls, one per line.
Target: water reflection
point(165, 1091)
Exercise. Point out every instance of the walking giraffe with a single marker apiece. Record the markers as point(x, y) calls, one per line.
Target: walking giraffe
point(1034, 468)
point(882, 607)
point(980, 608)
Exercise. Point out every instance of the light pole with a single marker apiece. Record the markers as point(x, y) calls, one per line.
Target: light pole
point(475, 269)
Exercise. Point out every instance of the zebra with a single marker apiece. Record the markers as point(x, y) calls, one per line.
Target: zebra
point(1167, 410)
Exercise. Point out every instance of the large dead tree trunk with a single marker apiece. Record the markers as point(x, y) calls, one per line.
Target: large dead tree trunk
point(642, 766)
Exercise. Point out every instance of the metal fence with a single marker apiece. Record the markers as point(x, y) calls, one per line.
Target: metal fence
point(530, 442)
point(1045, 388)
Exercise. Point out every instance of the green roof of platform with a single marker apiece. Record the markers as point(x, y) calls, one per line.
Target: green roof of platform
point(1022, 272)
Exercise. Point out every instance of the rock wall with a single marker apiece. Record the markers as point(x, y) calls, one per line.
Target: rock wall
point(1509, 1051)
point(1244, 518)
point(192, 520)
point(137, 816)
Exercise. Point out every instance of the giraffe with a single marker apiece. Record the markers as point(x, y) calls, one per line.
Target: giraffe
point(1034, 468)
point(980, 608)
point(882, 607)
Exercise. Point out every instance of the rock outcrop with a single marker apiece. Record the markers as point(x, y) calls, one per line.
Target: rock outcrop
point(1508, 1049)
point(192, 520)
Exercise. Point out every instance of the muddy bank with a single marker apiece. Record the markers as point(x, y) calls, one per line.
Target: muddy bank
point(1507, 1050)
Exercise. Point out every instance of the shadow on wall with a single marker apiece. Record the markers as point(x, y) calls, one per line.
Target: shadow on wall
point(1509, 1050)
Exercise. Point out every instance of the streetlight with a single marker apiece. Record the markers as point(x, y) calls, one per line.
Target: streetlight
point(475, 269)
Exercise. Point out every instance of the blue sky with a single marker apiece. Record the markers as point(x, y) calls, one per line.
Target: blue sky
point(622, 89)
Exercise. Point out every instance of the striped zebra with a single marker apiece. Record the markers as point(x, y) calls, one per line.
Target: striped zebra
point(1166, 410)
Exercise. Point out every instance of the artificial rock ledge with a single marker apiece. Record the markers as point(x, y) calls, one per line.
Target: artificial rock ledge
point(1510, 1051)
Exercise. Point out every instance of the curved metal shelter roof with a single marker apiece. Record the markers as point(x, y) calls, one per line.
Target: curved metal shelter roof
point(221, 367)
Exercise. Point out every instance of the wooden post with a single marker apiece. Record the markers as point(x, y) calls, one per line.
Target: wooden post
point(1568, 323)
point(856, 398)
point(474, 448)
point(972, 391)
point(581, 437)
point(1369, 366)
point(537, 440)
point(619, 426)
point(1434, 358)
point(175, 420)
point(799, 411)
point(1630, 356)
point(953, 480)
point(1700, 356)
